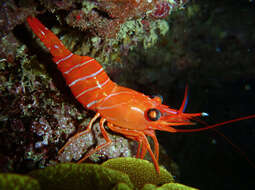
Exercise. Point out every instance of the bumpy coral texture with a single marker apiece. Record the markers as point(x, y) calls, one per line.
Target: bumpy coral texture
point(105, 17)
point(93, 176)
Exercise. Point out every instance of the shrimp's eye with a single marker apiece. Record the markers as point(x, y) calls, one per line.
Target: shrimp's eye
point(153, 114)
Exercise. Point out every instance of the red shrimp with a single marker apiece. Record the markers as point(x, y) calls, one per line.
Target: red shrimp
point(123, 110)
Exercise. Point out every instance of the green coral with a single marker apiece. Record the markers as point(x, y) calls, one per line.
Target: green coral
point(78, 176)
point(175, 186)
point(168, 186)
point(140, 171)
point(121, 186)
point(14, 181)
point(115, 174)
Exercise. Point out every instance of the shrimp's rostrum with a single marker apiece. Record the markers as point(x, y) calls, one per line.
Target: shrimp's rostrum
point(123, 110)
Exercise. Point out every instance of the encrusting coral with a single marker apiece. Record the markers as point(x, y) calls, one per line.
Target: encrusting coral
point(79, 176)
point(139, 171)
point(110, 28)
point(137, 174)
point(9, 181)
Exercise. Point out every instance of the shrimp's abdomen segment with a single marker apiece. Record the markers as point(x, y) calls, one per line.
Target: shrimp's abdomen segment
point(49, 39)
point(86, 78)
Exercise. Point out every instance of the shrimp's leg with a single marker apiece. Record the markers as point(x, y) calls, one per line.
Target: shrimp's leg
point(148, 147)
point(110, 125)
point(156, 145)
point(80, 133)
point(143, 151)
point(139, 144)
point(140, 137)
point(134, 138)
point(106, 137)
point(155, 141)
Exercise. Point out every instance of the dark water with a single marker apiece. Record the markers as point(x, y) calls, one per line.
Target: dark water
point(224, 86)
point(206, 159)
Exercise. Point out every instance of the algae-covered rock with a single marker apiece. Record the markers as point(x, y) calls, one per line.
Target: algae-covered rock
point(140, 172)
point(168, 186)
point(79, 176)
point(10, 181)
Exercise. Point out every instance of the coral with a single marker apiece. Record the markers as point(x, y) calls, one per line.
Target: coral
point(93, 176)
point(117, 26)
point(121, 186)
point(162, 9)
point(173, 186)
point(168, 186)
point(18, 182)
point(79, 176)
point(36, 118)
point(128, 37)
point(9, 45)
point(104, 18)
point(140, 171)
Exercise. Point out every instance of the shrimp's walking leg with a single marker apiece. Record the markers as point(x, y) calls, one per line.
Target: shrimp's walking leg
point(80, 133)
point(134, 138)
point(139, 144)
point(155, 141)
point(106, 137)
point(141, 138)
point(156, 145)
point(148, 147)
point(143, 150)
